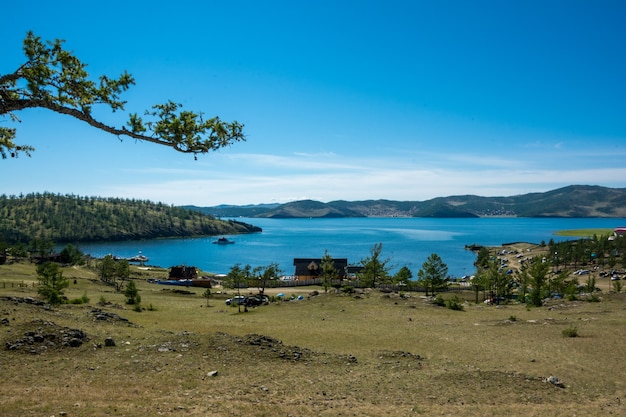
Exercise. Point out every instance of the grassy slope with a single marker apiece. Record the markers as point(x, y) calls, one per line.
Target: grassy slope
point(475, 362)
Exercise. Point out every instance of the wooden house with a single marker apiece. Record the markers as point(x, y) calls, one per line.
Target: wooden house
point(311, 268)
point(183, 272)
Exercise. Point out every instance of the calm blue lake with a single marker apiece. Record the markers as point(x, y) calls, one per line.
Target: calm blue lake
point(406, 241)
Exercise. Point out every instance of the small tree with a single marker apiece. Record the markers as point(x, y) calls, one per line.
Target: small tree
point(113, 272)
point(72, 255)
point(403, 276)
point(19, 251)
point(132, 294)
point(537, 272)
point(266, 274)
point(480, 280)
point(328, 270)
point(41, 247)
point(207, 295)
point(374, 269)
point(51, 282)
point(236, 276)
point(434, 273)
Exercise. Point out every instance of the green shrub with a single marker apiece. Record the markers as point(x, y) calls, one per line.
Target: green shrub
point(132, 293)
point(455, 303)
point(571, 331)
point(512, 318)
point(439, 301)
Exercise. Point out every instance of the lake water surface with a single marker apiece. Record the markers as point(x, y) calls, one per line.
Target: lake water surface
point(406, 241)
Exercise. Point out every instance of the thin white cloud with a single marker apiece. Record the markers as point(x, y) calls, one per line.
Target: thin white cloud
point(255, 178)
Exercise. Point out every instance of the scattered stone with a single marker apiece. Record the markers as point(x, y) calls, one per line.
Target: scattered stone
point(24, 300)
point(102, 315)
point(554, 381)
point(399, 354)
point(211, 374)
point(109, 342)
point(47, 335)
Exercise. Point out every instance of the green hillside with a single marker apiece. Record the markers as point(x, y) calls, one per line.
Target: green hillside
point(69, 218)
point(309, 208)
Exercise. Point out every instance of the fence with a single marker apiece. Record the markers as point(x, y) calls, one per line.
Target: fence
point(13, 284)
point(339, 283)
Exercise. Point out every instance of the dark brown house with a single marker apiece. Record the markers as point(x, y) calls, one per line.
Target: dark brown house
point(311, 268)
point(183, 272)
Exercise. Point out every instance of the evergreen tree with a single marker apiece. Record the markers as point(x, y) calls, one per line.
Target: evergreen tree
point(403, 276)
point(537, 272)
point(72, 255)
point(51, 282)
point(132, 294)
point(374, 269)
point(329, 272)
point(434, 274)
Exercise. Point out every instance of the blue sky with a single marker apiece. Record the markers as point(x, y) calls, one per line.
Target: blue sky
point(352, 100)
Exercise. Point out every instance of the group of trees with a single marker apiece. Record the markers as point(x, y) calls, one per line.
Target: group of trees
point(602, 251)
point(41, 250)
point(432, 276)
point(112, 272)
point(245, 276)
point(543, 276)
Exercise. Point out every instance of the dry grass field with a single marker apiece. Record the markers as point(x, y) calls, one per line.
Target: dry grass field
point(373, 354)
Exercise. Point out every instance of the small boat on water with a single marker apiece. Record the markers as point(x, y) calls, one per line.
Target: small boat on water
point(139, 258)
point(223, 241)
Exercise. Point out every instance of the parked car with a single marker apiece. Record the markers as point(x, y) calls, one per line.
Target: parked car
point(237, 300)
point(257, 300)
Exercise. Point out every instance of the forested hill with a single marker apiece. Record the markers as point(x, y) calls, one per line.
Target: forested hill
point(68, 218)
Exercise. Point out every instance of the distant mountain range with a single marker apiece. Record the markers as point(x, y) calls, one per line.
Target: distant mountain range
point(571, 201)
